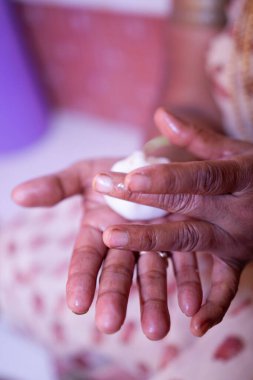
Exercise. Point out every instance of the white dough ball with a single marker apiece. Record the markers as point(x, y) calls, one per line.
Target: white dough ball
point(127, 209)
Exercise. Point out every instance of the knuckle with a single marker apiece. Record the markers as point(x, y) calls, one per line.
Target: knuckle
point(117, 270)
point(84, 252)
point(178, 202)
point(245, 170)
point(188, 237)
point(76, 277)
point(149, 240)
point(152, 276)
point(151, 301)
point(163, 201)
point(210, 178)
point(111, 292)
point(81, 256)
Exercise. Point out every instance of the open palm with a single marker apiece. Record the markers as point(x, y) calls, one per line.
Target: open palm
point(92, 259)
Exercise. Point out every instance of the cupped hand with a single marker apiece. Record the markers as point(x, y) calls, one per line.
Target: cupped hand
point(92, 260)
point(214, 196)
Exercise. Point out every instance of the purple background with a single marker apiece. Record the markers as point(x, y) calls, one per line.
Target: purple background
point(23, 116)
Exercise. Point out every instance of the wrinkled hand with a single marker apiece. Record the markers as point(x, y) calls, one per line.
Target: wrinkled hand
point(215, 199)
point(90, 254)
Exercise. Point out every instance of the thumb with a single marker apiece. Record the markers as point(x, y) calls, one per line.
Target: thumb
point(202, 142)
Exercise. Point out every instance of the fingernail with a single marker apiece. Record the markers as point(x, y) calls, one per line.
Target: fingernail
point(103, 183)
point(138, 182)
point(118, 238)
point(169, 120)
point(171, 123)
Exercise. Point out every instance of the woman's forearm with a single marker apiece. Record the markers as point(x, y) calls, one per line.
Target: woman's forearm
point(188, 89)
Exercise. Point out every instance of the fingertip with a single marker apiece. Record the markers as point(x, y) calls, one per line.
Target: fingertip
point(155, 324)
point(159, 115)
point(188, 308)
point(31, 194)
point(77, 305)
point(19, 196)
point(168, 123)
point(76, 297)
point(110, 314)
point(108, 323)
point(160, 121)
point(190, 303)
point(115, 238)
point(198, 328)
point(154, 333)
point(102, 183)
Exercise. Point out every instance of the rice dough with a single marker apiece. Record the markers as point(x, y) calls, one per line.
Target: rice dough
point(127, 209)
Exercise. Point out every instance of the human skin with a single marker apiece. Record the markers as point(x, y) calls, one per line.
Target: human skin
point(186, 87)
point(214, 196)
point(187, 93)
point(90, 254)
point(91, 251)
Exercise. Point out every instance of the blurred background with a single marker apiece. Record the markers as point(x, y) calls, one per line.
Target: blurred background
point(79, 79)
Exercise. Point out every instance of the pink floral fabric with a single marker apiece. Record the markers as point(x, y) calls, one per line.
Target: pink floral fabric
point(35, 250)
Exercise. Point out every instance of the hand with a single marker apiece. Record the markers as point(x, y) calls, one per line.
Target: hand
point(90, 254)
point(214, 198)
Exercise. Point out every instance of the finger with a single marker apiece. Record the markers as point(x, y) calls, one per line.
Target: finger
point(207, 177)
point(88, 254)
point(183, 236)
point(113, 184)
point(188, 282)
point(152, 282)
point(202, 142)
point(51, 189)
point(48, 190)
point(197, 177)
point(224, 285)
point(205, 207)
point(114, 288)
